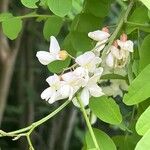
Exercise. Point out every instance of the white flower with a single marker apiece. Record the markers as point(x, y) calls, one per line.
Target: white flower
point(54, 53)
point(71, 85)
point(51, 94)
point(91, 88)
point(126, 45)
point(92, 116)
point(88, 61)
point(115, 88)
point(99, 35)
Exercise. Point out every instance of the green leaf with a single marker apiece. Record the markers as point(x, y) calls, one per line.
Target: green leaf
point(30, 3)
point(139, 90)
point(104, 141)
point(52, 26)
point(86, 23)
point(60, 7)
point(139, 16)
point(99, 8)
point(145, 53)
point(82, 38)
point(146, 3)
point(58, 66)
point(143, 123)
point(12, 27)
point(4, 16)
point(125, 142)
point(106, 109)
point(144, 143)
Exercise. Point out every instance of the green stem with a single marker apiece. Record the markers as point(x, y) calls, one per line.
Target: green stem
point(137, 24)
point(88, 122)
point(30, 143)
point(123, 18)
point(35, 124)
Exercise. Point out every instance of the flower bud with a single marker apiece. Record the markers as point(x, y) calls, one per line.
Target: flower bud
point(105, 29)
point(63, 54)
point(123, 37)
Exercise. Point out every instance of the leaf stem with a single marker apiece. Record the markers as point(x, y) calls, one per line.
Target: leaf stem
point(88, 122)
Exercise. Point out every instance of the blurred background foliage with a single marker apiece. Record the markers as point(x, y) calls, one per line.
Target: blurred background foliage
point(22, 77)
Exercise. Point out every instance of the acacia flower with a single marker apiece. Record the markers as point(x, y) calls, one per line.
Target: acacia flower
point(51, 94)
point(90, 88)
point(54, 53)
point(88, 61)
point(101, 36)
point(118, 53)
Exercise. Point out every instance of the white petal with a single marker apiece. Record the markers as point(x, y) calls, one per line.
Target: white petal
point(65, 91)
point(116, 52)
point(85, 58)
point(53, 98)
point(128, 46)
point(54, 45)
point(52, 80)
point(47, 93)
point(45, 57)
point(110, 60)
point(85, 96)
point(98, 35)
point(67, 76)
point(95, 90)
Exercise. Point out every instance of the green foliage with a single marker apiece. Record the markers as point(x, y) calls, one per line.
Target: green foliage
point(30, 3)
point(5, 16)
point(58, 66)
point(144, 143)
point(143, 123)
point(104, 141)
point(145, 53)
point(59, 7)
point(52, 26)
point(12, 27)
point(86, 23)
point(139, 17)
point(79, 37)
point(106, 109)
point(97, 8)
point(139, 89)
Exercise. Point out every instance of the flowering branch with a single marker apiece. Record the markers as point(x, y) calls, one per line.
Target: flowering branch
point(87, 122)
point(27, 131)
point(123, 19)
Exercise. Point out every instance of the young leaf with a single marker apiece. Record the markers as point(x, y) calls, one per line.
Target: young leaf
point(12, 27)
point(104, 141)
point(139, 90)
point(58, 66)
point(146, 3)
point(5, 16)
point(52, 26)
point(143, 123)
point(144, 143)
point(30, 3)
point(106, 109)
point(145, 53)
point(60, 7)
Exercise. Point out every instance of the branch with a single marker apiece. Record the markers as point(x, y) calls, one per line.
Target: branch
point(28, 130)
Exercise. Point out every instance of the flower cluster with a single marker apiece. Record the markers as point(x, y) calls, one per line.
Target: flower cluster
point(86, 74)
point(84, 77)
